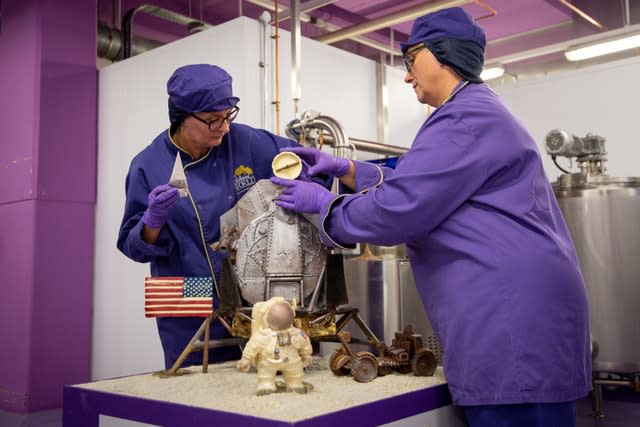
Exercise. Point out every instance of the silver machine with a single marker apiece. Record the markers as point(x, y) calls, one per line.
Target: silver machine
point(602, 214)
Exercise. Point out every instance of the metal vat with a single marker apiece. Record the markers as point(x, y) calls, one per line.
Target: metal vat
point(385, 294)
point(603, 215)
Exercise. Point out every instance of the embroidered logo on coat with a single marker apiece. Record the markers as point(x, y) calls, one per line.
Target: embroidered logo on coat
point(243, 178)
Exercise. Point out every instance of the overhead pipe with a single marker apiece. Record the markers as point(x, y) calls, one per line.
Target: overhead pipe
point(109, 43)
point(192, 25)
point(286, 12)
point(306, 7)
point(359, 39)
point(331, 27)
point(529, 33)
point(373, 147)
point(492, 11)
point(388, 20)
point(581, 13)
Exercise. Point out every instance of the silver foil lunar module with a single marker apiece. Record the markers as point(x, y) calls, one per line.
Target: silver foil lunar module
point(276, 252)
point(272, 251)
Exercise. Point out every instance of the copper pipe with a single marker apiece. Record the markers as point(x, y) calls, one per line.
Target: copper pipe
point(583, 14)
point(277, 101)
point(492, 11)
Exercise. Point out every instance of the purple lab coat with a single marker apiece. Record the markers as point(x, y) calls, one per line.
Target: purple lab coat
point(490, 252)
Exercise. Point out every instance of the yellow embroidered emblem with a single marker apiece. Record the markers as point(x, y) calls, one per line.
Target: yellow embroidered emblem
point(243, 170)
point(243, 178)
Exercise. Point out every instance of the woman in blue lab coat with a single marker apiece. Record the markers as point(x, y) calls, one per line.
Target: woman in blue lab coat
point(490, 252)
point(222, 160)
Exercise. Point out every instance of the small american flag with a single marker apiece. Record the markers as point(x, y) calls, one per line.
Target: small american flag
point(178, 296)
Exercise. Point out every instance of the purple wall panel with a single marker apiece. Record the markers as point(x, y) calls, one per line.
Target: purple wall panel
point(19, 68)
point(48, 171)
point(61, 316)
point(17, 237)
point(68, 103)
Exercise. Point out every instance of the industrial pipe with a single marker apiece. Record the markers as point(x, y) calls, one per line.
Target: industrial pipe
point(388, 20)
point(192, 25)
point(109, 43)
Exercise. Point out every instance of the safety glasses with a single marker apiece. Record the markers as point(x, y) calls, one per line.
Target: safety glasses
point(409, 56)
point(215, 123)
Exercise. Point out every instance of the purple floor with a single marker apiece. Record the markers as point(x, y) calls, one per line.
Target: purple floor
point(621, 408)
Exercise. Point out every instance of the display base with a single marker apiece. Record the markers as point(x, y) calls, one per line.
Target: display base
point(226, 395)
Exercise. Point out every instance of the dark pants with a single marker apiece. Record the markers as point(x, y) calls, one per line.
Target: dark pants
point(562, 414)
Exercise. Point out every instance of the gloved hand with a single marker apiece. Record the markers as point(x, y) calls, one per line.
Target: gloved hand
point(160, 201)
point(302, 196)
point(320, 162)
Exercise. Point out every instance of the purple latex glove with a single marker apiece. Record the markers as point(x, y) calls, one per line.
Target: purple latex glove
point(302, 196)
point(160, 200)
point(320, 162)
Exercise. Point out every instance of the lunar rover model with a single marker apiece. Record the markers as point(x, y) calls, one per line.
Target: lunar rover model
point(406, 354)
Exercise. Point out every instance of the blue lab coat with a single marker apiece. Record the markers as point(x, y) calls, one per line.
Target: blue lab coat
point(216, 182)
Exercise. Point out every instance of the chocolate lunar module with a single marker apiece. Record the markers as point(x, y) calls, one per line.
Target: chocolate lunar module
point(273, 252)
point(276, 252)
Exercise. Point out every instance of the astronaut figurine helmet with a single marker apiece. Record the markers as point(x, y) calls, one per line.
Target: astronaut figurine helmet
point(280, 316)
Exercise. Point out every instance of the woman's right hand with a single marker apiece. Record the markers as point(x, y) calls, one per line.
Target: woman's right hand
point(160, 201)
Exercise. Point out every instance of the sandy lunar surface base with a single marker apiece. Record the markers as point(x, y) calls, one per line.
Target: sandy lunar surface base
point(227, 389)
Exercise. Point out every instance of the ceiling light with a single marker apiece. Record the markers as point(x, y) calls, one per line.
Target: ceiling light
point(603, 48)
point(491, 73)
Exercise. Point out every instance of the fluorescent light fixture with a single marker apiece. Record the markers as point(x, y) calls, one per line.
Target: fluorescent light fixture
point(491, 73)
point(603, 48)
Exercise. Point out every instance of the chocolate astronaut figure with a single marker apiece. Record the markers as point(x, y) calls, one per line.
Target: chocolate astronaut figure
point(276, 346)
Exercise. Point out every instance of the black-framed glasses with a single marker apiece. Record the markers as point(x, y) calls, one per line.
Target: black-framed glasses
point(409, 56)
point(215, 123)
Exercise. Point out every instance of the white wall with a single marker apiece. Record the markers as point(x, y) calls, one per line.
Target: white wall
point(132, 108)
point(405, 114)
point(601, 100)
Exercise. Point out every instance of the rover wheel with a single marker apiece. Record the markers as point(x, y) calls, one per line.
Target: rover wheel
point(405, 369)
point(424, 363)
point(364, 367)
point(338, 362)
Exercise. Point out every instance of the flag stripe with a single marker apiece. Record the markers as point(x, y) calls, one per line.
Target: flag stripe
point(178, 296)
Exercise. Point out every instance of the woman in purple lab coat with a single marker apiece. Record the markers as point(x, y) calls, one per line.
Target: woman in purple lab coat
point(490, 252)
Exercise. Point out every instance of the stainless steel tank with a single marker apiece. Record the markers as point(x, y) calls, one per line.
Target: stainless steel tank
point(603, 216)
point(384, 291)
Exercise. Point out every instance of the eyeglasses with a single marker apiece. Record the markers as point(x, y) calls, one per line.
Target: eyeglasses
point(409, 56)
point(215, 123)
